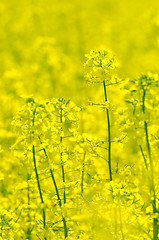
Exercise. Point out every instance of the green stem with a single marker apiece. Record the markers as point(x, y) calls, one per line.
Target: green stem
point(109, 133)
point(116, 221)
point(29, 218)
point(121, 223)
point(149, 154)
point(60, 204)
point(56, 188)
point(62, 165)
point(1, 227)
point(143, 100)
point(152, 185)
point(37, 177)
point(143, 155)
point(65, 227)
point(39, 187)
point(155, 221)
point(57, 193)
point(83, 166)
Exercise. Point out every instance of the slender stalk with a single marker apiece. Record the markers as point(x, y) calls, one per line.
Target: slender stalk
point(149, 154)
point(116, 221)
point(121, 223)
point(65, 227)
point(37, 177)
point(39, 187)
point(57, 193)
point(143, 100)
point(60, 204)
point(152, 185)
point(62, 165)
point(82, 178)
point(29, 218)
point(109, 133)
point(63, 178)
point(1, 227)
point(143, 155)
point(155, 220)
point(147, 168)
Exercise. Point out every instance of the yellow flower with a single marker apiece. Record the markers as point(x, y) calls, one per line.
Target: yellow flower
point(100, 64)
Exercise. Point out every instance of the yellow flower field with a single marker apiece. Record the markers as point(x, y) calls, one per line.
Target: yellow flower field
point(79, 120)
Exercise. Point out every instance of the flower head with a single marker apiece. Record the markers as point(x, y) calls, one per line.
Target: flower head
point(145, 80)
point(99, 65)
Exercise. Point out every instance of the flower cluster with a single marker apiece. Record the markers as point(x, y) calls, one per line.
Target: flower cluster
point(100, 65)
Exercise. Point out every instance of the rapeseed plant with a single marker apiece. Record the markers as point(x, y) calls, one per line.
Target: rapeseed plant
point(62, 183)
point(53, 179)
point(144, 109)
point(99, 70)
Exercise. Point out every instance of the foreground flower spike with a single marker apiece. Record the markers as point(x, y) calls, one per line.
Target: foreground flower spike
point(99, 67)
point(48, 135)
point(143, 93)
